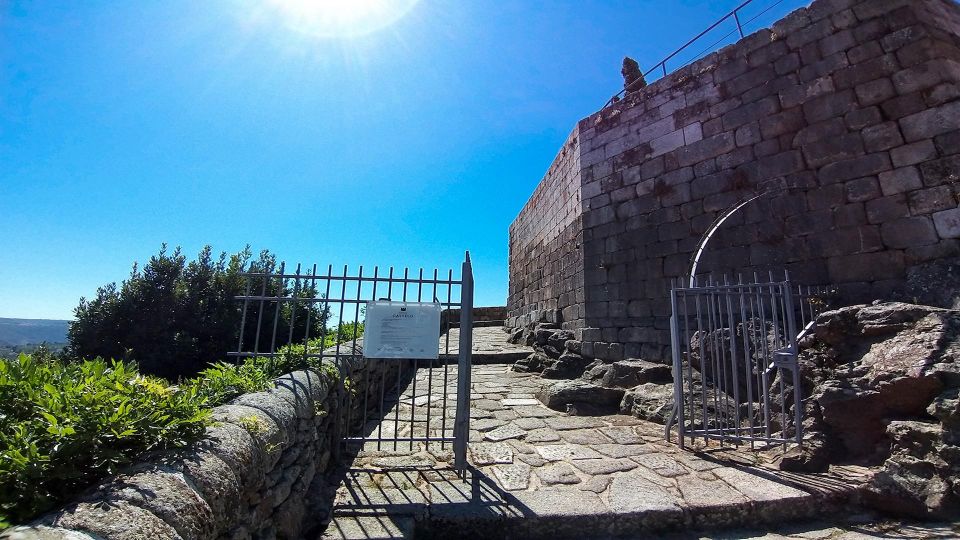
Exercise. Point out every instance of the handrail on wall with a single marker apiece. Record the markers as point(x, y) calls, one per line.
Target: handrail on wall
point(662, 65)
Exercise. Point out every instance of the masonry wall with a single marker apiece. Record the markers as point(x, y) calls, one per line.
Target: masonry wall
point(249, 476)
point(546, 255)
point(847, 112)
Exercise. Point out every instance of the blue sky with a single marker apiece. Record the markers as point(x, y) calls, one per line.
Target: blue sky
point(124, 125)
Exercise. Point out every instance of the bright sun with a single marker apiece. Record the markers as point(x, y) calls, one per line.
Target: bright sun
point(343, 18)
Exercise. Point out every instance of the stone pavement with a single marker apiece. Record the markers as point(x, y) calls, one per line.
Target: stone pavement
point(539, 473)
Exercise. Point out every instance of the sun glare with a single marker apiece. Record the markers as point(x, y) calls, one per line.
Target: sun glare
point(342, 18)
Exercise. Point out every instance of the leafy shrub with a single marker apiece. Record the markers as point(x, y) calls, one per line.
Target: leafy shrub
point(222, 382)
point(174, 316)
point(66, 425)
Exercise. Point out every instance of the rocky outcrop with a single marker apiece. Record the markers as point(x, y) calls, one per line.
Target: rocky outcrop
point(556, 354)
point(883, 380)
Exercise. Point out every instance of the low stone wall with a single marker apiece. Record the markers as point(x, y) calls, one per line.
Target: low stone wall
point(248, 477)
point(480, 314)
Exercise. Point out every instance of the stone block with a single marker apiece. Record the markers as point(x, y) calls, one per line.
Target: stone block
point(799, 94)
point(902, 106)
point(861, 118)
point(908, 232)
point(866, 266)
point(941, 171)
point(930, 200)
point(911, 154)
point(750, 112)
point(829, 106)
point(864, 52)
point(875, 68)
point(847, 146)
point(786, 121)
point(875, 92)
point(705, 149)
point(821, 130)
point(926, 75)
point(947, 223)
point(834, 43)
point(850, 215)
point(931, 122)
point(882, 137)
point(948, 143)
point(862, 189)
point(887, 208)
point(859, 167)
point(900, 180)
point(780, 164)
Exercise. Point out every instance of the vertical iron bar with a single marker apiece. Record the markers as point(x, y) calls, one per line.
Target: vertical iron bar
point(677, 368)
point(728, 292)
point(703, 362)
point(383, 377)
point(446, 361)
point(243, 316)
point(263, 293)
point(281, 282)
point(353, 351)
point(766, 356)
point(686, 347)
point(462, 422)
point(396, 409)
point(430, 367)
point(736, 17)
point(293, 309)
point(792, 345)
point(306, 332)
point(748, 357)
point(348, 368)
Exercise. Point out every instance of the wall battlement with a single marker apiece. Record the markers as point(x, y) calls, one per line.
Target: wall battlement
point(847, 112)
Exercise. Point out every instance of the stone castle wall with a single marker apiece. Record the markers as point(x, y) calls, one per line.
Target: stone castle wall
point(847, 112)
point(546, 258)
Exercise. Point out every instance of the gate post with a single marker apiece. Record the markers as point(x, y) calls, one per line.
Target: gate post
point(461, 427)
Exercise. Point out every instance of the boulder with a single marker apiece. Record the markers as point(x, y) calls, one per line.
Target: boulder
point(535, 363)
point(589, 396)
point(558, 339)
point(574, 346)
point(568, 366)
point(649, 401)
point(628, 373)
point(921, 478)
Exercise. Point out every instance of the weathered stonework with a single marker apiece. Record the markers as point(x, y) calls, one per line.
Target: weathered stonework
point(248, 477)
point(847, 112)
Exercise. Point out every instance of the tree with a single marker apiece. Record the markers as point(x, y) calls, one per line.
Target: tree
point(174, 317)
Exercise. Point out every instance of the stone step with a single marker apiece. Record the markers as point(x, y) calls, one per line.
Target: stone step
point(479, 324)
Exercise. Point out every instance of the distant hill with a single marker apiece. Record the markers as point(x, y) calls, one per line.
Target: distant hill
point(19, 332)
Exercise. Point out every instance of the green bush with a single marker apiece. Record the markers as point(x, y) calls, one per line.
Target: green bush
point(174, 316)
point(66, 425)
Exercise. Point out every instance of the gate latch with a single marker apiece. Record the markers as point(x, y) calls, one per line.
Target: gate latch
point(786, 357)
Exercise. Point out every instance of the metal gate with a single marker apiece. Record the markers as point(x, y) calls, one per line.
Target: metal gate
point(734, 345)
point(315, 319)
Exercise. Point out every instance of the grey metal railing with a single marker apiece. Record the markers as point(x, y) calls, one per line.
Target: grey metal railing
point(290, 316)
point(661, 66)
point(735, 366)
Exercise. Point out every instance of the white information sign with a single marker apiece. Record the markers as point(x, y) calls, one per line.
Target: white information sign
point(401, 330)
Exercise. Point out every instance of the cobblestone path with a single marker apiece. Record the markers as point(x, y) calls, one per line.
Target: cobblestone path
point(539, 473)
